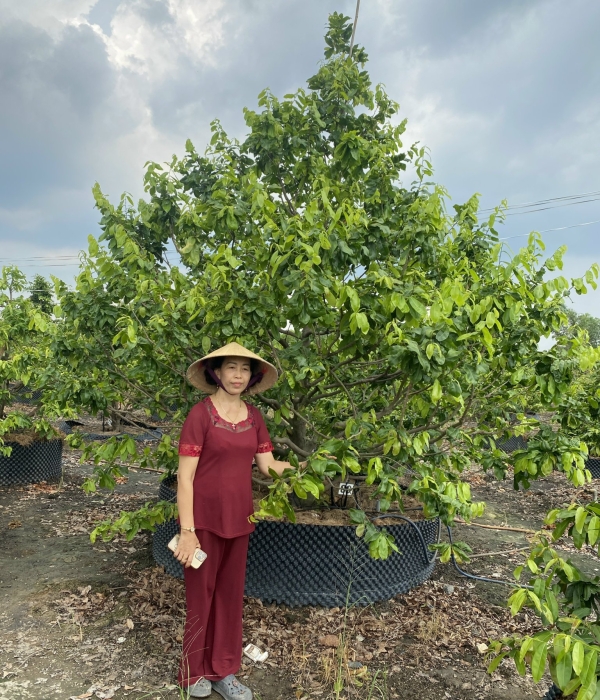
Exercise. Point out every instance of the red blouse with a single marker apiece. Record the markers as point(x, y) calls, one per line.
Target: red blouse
point(223, 479)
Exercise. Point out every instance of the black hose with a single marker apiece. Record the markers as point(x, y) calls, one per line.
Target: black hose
point(479, 578)
point(426, 551)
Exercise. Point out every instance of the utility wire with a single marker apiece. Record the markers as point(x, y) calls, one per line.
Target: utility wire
point(55, 257)
point(547, 230)
point(557, 206)
point(42, 257)
point(564, 198)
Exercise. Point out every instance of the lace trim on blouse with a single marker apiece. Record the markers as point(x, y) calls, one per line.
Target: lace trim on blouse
point(220, 422)
point(190, 450)
point(264, 447)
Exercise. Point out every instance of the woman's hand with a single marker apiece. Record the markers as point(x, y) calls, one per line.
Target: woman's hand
point(188, 543)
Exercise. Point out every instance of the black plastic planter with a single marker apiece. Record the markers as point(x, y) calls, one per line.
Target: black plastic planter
point(299, 564)
point(28, 395)
point(517, 442)
point(593, 464)
point(554, 693)
point(39, 461)
point(67, 427)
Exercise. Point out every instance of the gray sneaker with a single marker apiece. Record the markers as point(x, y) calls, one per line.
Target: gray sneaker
point(231, 689)
point(200, 689)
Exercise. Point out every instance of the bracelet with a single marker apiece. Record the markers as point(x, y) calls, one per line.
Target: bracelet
point(190, 529)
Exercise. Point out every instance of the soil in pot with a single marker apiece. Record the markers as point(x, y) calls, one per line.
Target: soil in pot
point(325, 513)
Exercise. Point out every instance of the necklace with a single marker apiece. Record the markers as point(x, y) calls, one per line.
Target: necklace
point(221, 410)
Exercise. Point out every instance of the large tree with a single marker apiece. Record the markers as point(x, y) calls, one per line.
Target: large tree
point(407, 342)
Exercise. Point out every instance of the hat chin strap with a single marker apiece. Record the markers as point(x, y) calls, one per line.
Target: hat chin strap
point(256, 379)
point(216, 379)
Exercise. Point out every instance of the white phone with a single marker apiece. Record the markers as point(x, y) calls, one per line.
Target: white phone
point(198, 558)
point(253, 652)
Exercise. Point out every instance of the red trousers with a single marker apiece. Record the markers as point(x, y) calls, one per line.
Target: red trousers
point(214, 593)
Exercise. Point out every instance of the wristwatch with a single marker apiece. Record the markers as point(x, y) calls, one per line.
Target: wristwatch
point(191, 529)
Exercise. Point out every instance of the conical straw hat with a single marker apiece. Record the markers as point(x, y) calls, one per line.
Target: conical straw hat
point(197, 377)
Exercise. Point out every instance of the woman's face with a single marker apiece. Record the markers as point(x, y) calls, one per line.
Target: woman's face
point(234, 373)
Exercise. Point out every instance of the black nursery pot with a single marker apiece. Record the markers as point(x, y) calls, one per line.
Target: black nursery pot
point(593, 464)
point(299, 564)
point(30, 464)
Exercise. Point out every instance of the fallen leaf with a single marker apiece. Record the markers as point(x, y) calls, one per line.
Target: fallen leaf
point(329, 640)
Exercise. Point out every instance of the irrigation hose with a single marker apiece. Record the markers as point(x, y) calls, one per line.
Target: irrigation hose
point(513, 584)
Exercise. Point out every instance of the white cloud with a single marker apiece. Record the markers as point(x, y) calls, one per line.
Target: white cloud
point(152, 44)
point(503, 92)
point(50, 15)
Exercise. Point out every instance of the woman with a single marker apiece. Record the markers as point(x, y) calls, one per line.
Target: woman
point(219, 440)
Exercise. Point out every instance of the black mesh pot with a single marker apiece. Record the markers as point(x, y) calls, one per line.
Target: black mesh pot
point(165, 532)
point(517, 442)
point(67, 427)
point(319, 565)
point(40, 461)
point(330, 566)
point(28, 395)
point(593, 464)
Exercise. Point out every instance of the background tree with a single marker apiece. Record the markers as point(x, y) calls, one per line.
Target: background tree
point(41, 294)
point(585, 322)
point(25, 333)
point(405, 340)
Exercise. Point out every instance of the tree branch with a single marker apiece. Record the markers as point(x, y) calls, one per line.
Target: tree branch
point(288, 201)
point(291, 445)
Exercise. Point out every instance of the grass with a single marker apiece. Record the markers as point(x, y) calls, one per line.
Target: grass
point(340, 680)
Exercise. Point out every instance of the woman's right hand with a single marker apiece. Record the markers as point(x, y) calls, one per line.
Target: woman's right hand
point(188, 543)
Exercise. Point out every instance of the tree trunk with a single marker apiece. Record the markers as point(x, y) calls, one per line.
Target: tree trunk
point(298, 433)
point(115, 418)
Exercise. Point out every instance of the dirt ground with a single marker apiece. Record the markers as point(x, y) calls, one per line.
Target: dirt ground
point(102, 621)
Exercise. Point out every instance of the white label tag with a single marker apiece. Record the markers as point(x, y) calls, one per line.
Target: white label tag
point(345, 489)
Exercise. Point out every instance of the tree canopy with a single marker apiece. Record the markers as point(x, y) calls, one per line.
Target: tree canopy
point(585, 322)
point(25, 333)
point(406, 340)
point(41, 294)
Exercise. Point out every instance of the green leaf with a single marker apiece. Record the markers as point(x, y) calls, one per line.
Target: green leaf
point(587, 691)
point(496, 662)
point(299, 491)
point(580, 518)
point(563, 671)
point(552, 604)
point(516, 600)
point(593, 530)
point(589, 667)
point(578, 655)
point(92, 246)
point(417, 306)
point(559, 530)
point(538, 661)
point(436, 391)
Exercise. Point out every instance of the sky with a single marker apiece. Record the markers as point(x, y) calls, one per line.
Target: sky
point(504, 93)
